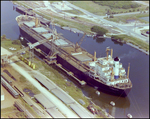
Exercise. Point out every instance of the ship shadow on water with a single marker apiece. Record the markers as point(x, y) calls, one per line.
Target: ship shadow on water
point(104, 99)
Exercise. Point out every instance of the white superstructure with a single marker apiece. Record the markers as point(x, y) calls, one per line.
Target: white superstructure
point(109, 70)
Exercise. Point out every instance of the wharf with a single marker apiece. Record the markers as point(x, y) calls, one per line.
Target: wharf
point(29, 12)
point(25, 10)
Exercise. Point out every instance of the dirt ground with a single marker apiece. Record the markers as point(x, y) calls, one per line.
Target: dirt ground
point(8, 99)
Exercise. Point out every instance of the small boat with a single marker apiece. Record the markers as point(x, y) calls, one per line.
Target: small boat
point(98, 93)
point(112, 103)
point(129, 115)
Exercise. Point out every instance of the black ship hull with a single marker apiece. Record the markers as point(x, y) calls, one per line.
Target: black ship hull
point(78, 73)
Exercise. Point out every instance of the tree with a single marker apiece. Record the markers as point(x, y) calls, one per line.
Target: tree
point(99, 30)
point(3, 36)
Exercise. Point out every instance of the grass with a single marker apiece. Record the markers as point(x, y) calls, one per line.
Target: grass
point(11, 112)
point(63, 22)
point(7, 43)
point(97, 9)
point(77, 12)
point(135, 41)
point(32, 88)
point(91, 7)
point(127, 17)
point(29, 108)
point(22, 79)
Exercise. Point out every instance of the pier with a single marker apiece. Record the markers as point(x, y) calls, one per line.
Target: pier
point(23, 10)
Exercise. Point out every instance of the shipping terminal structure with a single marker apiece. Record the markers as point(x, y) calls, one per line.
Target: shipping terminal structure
point(106, 73)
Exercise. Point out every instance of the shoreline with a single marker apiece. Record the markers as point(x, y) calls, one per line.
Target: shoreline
point(74, 30)
point(136, 47)
point(78, 31)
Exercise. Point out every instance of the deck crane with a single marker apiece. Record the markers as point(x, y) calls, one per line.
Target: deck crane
point(77, 45)
point(5, 58)
point(52, 53)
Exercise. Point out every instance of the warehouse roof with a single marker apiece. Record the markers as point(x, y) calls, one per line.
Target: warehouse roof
point(44, 101)
point(62, 96)
point(45, 82)
point(55, 113)
point(79, 111)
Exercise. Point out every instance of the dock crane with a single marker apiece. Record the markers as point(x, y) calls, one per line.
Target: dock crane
point(77, 45)
point(52, 53)
point(5, 58)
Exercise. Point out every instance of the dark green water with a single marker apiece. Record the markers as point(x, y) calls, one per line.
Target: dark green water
point(136, 103)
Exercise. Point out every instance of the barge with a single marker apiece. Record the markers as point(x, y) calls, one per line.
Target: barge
point(105, 73)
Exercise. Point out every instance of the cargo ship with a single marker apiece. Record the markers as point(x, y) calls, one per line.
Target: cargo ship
point(106, 74)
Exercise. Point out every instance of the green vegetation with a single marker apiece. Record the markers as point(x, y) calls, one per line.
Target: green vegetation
point(32, 88)
point(91, 7)
point(118, 4)
point(11, 112)
point(22, 79)
point(99, 30)
point(124, 18)
point(141, 44)
point(7, 43)
point(77, 12)
point(109, 7)
point(63, 22)
point(29, 108)
point(17, 42)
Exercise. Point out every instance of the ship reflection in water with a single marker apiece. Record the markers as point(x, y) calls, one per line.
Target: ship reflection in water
point(103, 100)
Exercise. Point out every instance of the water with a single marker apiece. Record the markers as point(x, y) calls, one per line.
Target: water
point(145, 18)
point(136, 103)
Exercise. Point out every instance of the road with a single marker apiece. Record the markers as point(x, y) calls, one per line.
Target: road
point(141, 2)
point(127, 29)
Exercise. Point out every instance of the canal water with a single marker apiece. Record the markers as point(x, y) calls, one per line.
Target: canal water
point(136, 103)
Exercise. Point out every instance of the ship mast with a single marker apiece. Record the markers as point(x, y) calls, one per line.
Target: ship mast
point(107, 52)
point(128, 70)
point(36, 22)
point(111, 53)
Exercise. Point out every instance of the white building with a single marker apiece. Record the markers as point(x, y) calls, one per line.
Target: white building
point(2, 94)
